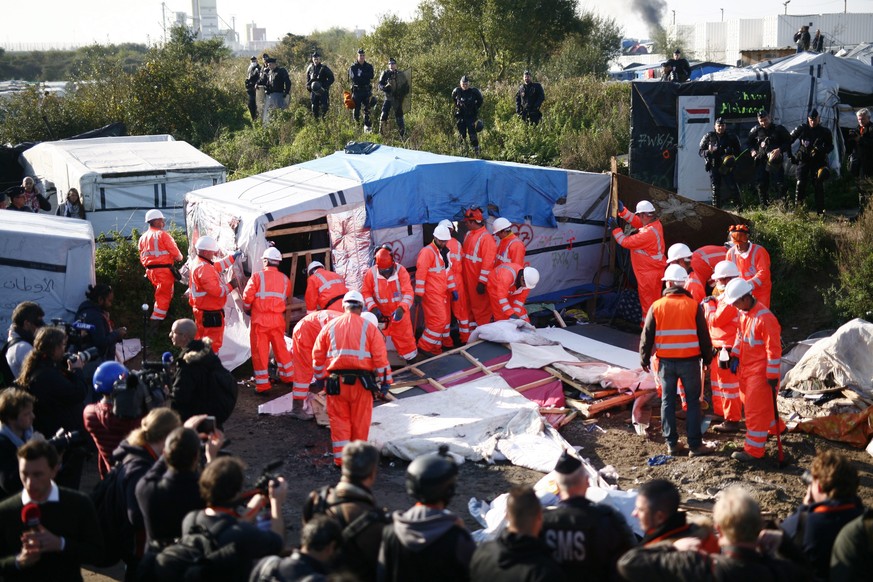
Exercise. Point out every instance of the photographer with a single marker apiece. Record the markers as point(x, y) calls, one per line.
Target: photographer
point(59, 386)
point(16, 428)
point(95, 311)
point(27, 318)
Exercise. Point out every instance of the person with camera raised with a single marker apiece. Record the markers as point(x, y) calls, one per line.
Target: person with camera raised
point(94, 311)
point(16, 428)
point(27, 318)
point(57, 382)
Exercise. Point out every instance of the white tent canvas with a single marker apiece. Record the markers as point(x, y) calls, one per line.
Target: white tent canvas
point(121, 178)
point(45, 259)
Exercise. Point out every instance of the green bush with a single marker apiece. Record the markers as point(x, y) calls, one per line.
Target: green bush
point(853, 296)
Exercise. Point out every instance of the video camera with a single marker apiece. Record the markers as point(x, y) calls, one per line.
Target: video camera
point(262, 485)
point(77, 336)
point(65, 439)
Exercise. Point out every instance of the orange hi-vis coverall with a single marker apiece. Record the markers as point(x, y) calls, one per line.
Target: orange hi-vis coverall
point(266, 296)
point(347, 345)
point(325, 290)
point(460, 308)
point(208, 292)
point(480, 251)
point(704, 260)
point(388, 295)
point(302, 339)
point(157, 251)
point(754, 267)
point(506, 299)
point(722, 319)
point(433, 286)
point(758, 345)
point(694, 286)
point(647, 256)
point(510, 250)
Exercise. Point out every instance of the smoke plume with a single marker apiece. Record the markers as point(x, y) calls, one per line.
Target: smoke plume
point(651, 12)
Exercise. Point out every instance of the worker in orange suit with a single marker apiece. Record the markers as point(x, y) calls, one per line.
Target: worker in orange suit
point(387, 291)
point(157, 252)
point(510, 249)
point(508, 288)
point(460, 308)
point(755, 358)
point(680, 254)
point(324, 289)
point(208, 292)
point(480, 251)
point(302, 340)
point(265, 299)
point(704, 260)
point(432, 287)
point(350, 355)
point(646, 249)
point(722, 319)
point(752, 260)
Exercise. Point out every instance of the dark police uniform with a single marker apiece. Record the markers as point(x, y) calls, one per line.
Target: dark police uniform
point(319, 100)
point(253, 74)
point(720, 174)
point(859, 151)
point(586, 538)
point(361, 78)
point(394, 94)
point(815, 145)
point(467, 104)
point(528, 100)
point(763, 141)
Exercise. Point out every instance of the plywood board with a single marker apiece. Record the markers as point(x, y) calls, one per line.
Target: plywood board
point(598, 350)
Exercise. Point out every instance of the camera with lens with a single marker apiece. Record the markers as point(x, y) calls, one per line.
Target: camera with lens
point(84, 356)
point(65, 439)
point(262, 485)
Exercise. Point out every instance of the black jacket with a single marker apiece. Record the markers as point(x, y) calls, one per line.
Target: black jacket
point(726, 144)
point(320, 73)
point(60, 399)
point(859, 147)
point(192, 391)
point(134, 464)
point(10, 482)
point(165, 496)
point(278, 81)
point(101, 337)
point(514, 558)
point(765, 140)
point(530, 97)
point(253, 74)
point(361, 75)
point(467, 102)
point(815, 143)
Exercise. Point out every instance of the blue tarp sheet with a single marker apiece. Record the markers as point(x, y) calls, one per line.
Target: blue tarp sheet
point(404, 187)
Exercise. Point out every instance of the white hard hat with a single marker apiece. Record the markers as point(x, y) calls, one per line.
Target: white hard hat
point(272, 254)
point(442, 233)
point(501, 224)
point(531, 277)
point(353, 297)
point(206, 243)
point(371, 317)
point(644, 206)
point(153, 214)
point(447, 223)
point(724, 269)
point(675, 273)
point(736, 289)
point(313, 265)
point(678, 251)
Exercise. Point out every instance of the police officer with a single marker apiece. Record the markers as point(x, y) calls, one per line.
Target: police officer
point(586, 538)
point(253, 74)
point(319, 78)
point(816, 143)
point(720, 149)
point(681, 68)
point(859, 151)
point(467, 101)
point(395, 89)
point(767, 142)
point(361, 78)
point(528, 100)
point(278, 87)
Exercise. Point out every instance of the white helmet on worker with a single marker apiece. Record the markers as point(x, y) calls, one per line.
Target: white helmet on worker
point(442, 233)
point(644, 206)
point(353, 297)
point(206, 243)
point(314, 265)
point(736, 289)
point(447, 223)
point(725, 269)
point(677, 252)
point(273, 255)
point(500, 224)
point(675, 273)
point(154, 214)
point(531, 277)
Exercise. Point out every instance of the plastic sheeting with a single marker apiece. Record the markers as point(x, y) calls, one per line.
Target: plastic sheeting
point(350, 245)
point(509, 331)
point(833, 363)
point(527, 356)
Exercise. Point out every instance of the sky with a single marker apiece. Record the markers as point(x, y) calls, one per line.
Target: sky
point(82, 22)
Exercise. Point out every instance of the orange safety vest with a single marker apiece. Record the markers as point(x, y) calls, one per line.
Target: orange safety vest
point(431, 273)
point(501, 285)
point(510, 250)
point(754, 268)
point(758, 343)
point(267, 292)
point(389, 293)
point(722, 320)
point(350, 342)
point(324, 287)
point(456, 255)
point(676, 326)
point(208, 292)
point(704, 260)
point(480, 251)
point(157, 247)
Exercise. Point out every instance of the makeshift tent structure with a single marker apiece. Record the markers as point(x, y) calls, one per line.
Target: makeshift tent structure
point(45, 259)
point(121, 178)
point(338, 207)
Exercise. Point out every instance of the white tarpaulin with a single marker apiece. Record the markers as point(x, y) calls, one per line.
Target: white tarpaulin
point(595, 349)
point(475, 419)
point(45, 259)
point(841, 360)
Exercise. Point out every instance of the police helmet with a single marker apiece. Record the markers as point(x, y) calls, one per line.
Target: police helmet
point(316, 88)
point(480, 125)
point(823, 173)
point(107, 374)
point(465, 79)
point(432, 478)
point(373, 101)
point(727, 165)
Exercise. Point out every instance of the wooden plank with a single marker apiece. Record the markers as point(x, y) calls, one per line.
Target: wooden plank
point(452, 351)
point(558, 318)
point(547, 410)
point(610, 403)
point(536, 384)
point(295, 230)
point(476, 362)
point(424, 376)
point(566, 379)
point(598, 394)
point(566, 420)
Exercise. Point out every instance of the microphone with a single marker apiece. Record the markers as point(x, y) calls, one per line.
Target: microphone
point(167, 358)
point(30, 515)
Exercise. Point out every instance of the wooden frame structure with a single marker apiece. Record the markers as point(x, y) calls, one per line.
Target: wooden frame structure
point(307, 254)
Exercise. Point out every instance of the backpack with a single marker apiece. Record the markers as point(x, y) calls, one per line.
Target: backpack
point(318, 504)
point(195, 557)
point(7, 378)
point(226, 393)
point(112, 517)
point(135, 401)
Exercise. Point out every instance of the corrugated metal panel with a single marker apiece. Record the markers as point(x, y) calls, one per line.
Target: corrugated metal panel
point(751, 33)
